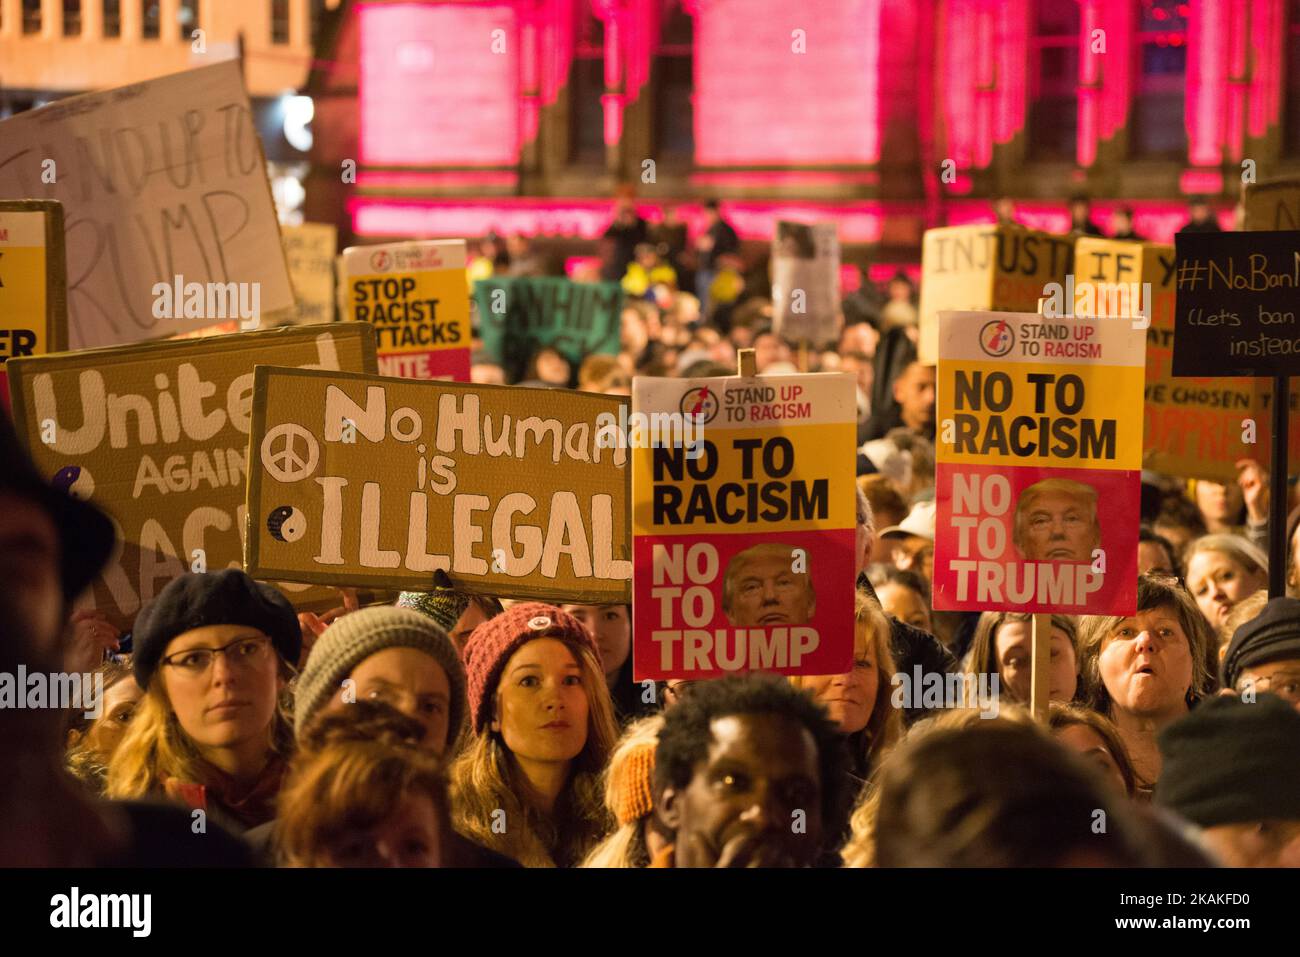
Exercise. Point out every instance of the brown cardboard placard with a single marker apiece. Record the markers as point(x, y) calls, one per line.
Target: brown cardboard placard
point(309, 250)
point(161, 179)
point(1192, 425)
point(985, 268)
point(379, 481)
point(33, 282)
point(156, 435)
point(1271, 205)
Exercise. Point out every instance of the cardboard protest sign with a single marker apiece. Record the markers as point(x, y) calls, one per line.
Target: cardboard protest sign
point(159, 180)
point(1236, 311)
point(1192, 427)
point(743, 525)
point(996, 268)
point(806, 283)
point(414, 295)
point(519, 315)
point(1038, 464)
point(157, 436)
point(309, 250)
point(370, 480)
point(33, 282)
point(1272, 205)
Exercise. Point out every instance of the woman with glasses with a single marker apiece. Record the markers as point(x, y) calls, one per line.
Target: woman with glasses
point(212, 654)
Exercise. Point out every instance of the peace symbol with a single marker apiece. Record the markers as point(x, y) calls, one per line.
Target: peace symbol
point(281, 456)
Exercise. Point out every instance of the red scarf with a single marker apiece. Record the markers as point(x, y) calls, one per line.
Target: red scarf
point(247, 807)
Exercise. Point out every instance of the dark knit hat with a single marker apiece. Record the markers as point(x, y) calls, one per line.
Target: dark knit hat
point(492, 643)
point(1231, 761)
point(227, 597)
point(1271, 635)
point(353, 638)
point(86, 536)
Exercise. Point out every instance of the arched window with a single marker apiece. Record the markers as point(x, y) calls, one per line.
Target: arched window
point(674, 133)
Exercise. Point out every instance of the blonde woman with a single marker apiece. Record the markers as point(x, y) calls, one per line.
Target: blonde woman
point(859, 700)
point(528, 784)
point(629, 796)
point(211, 654)
point(1221, 570)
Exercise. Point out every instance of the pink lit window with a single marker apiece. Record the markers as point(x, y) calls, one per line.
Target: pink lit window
point(1159, 131)
point(586, 86)
point(1053, 79)
point(1291, 118)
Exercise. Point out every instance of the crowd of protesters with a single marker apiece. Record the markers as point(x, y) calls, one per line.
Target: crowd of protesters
point(445, 730)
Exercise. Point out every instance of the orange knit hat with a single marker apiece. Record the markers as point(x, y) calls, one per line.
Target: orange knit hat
point(631, 780)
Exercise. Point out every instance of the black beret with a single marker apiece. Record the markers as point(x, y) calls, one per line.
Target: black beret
point(1231, 761)
point(226, 597)
point(1271, 635)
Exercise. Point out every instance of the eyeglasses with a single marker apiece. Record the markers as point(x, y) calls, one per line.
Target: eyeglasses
point(196, 661)
point(1284, 684)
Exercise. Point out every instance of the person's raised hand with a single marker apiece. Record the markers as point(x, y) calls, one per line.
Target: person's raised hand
point(90, 637)
point(1254, 489)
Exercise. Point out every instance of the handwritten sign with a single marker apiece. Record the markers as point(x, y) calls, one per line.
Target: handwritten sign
point(414, 295)
point(1272, 205)
point(33, 286)
point(371, 480)
point(517, 316)
point(1192, 426)
point(1236, 311)
point(1038, 464)
point(806, 283)
point(998, 268)
point(159, 180)
point(309, 250)
point(157, 436)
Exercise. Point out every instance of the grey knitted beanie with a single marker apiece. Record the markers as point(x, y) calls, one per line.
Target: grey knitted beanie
point(355, 637)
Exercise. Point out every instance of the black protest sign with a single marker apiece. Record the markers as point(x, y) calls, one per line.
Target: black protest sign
point(1236, 308)
point(517, 316)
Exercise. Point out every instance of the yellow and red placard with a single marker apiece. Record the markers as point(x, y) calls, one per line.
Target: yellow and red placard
point(743, 525)
point(1039, 458)
point(33, 283)
point(414, 295)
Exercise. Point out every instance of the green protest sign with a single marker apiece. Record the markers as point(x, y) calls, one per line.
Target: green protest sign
point(518, 315)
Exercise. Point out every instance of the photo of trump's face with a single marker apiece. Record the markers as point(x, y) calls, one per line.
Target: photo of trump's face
point(1056, 521)
point(760, 587)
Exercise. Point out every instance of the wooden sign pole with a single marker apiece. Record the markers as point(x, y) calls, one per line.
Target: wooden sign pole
point(746, 365)
point(1039, 658)
point(1277, 543)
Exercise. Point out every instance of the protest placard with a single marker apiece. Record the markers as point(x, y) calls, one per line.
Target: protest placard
point(157, 436)
point(1272, 205)
point(309, 250)
point(519, 315)
point(995, 268)
point(743, 525)
point(1235, 313)
point(163, 186)
point(1038, 464)
point(1192, 427)
point(33, 283)
point(370, 480)
point(414, 295)
point(806, 283)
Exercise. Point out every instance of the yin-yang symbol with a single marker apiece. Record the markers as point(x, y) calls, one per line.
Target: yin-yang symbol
point(76, 481)
point(286, 524)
